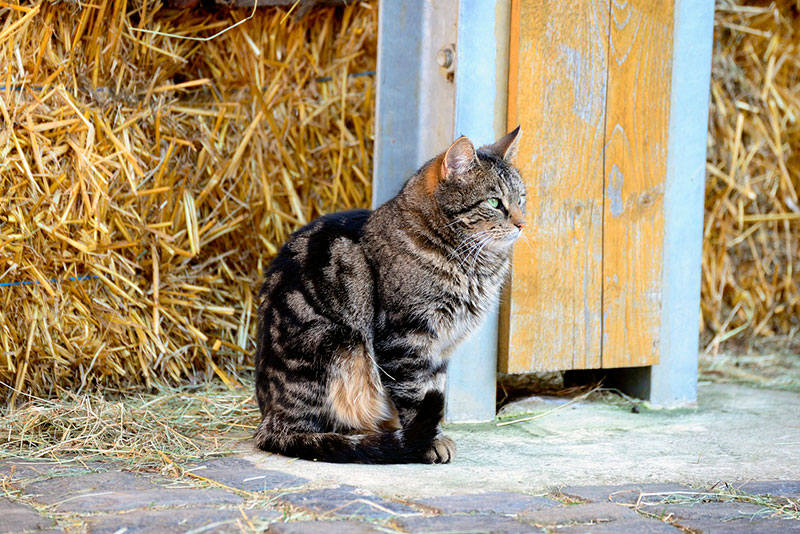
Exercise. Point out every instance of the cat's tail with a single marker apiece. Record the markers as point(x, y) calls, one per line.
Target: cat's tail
point(408, 445)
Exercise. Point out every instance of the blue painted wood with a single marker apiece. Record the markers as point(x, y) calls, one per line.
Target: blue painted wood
point(673, 381)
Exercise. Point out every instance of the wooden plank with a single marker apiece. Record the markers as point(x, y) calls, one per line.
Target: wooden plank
point(557, 92)
point(637, 121)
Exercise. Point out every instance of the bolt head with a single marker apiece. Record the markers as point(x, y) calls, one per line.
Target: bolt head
point(444, 58)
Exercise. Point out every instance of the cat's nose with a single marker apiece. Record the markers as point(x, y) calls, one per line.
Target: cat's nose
point(519, 224)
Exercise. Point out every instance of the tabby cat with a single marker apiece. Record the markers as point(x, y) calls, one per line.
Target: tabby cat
point(360, 311)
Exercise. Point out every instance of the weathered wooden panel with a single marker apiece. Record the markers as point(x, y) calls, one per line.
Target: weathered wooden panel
point(557, 91)
point(637, 119)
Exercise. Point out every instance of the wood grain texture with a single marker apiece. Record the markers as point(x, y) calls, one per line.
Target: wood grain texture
point(637, 119)
point(557, 92)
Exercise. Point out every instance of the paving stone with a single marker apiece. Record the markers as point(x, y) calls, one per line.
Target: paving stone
point(725, 517)
point(117, 491)
point(782, 488)
point(623, 526)
point(493, 502)
point(17, 517)
point(627, 494)
point(210, 520)
point(241, 474)
point(579, 513)
point(15, 470)
point(345, 502)
point(742, 526)
point(714, 511)
point(56, 489)
point(322, 527)
point(494, 524)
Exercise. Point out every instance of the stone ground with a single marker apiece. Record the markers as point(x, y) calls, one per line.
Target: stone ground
point(730, 466)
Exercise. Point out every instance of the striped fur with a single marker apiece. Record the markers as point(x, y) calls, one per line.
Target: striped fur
point(360, 311)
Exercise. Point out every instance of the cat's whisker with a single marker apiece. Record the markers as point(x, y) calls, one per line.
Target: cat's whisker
point(372, 358)
point(526, 240)
point(478, 253)
point(467, 244)
point(473, 246)
point(477, 250)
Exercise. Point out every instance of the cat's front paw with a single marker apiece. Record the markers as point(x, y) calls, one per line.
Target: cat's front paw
point(442, 451)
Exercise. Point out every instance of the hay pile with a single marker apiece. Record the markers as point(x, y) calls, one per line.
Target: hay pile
point(751, 253)
point(145, 179)
point(148, 430)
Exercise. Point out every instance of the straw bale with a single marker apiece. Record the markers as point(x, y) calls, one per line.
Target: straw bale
point(751, 263)
point(146, 179)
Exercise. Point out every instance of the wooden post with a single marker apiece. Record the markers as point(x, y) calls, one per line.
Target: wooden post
point(557, 92)
point(612, 98)
point(672, 382)
point(635, 162)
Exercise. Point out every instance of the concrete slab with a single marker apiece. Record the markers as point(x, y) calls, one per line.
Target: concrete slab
point(736, 434)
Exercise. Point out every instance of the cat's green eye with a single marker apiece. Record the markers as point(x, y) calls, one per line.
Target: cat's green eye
point(494, 202)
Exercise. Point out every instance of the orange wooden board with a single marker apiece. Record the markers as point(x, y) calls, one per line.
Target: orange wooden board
point(589, 81)
point(557, 91)
point(637, 121)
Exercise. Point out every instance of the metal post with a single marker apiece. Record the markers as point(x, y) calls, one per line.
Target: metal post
point(421, 109)
point(674, 380)
point(480, 114)
point(415, 99)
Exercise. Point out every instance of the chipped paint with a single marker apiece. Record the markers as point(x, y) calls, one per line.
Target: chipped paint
point(614, 192)
point(588, 84)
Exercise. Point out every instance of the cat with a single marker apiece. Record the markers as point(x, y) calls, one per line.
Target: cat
point(360, 311)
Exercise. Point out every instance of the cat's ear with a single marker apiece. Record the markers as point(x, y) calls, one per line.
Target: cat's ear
point(506, 146)
point(459, 158)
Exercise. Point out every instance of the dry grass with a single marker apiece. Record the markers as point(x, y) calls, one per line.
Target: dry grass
point(146, 180)
point(144, 430)
point(769, 370)
point(751, 258)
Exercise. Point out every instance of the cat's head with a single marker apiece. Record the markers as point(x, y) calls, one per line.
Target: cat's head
point(479, 192)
